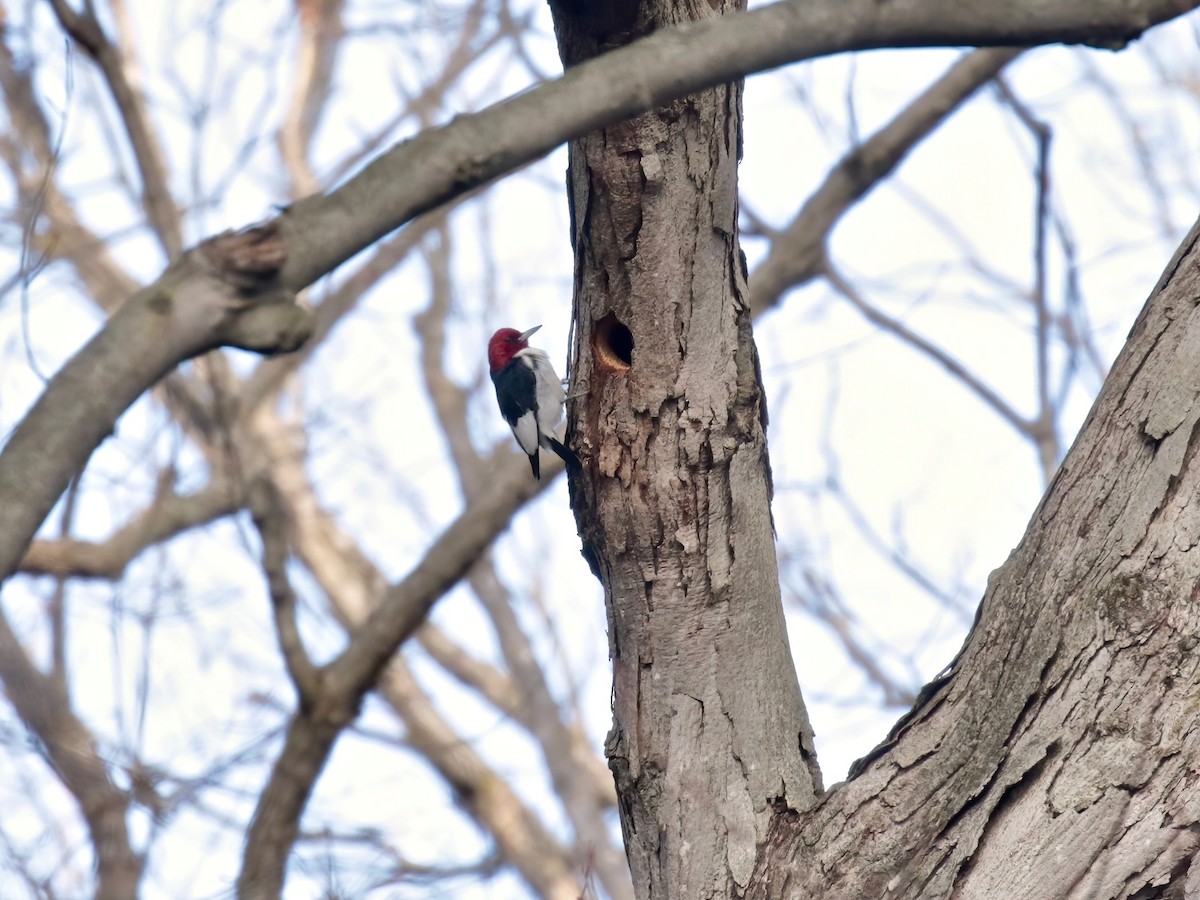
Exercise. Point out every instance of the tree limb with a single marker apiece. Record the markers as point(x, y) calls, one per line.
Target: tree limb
point(169, 515)
point(320, 41)
point(118, 70)
point(200, 303)
point(271, 522)
point(312, 732)
point(44, 706)
point(797, 252)
point(320, 233)
point(440, 163)
point(523, 839)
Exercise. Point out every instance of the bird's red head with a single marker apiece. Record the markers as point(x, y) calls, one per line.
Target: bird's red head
point(505, 344)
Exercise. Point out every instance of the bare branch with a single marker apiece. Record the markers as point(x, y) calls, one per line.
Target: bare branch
point(500, 691)
point(44, 706)
point(270, 520)
point(449, 399)
point(106, 282)
point(120, 74)
point(339, 303)
point(312, 733)
point(427, 104)
point(1042, 429)
point(169, 515)
point(492, 684)
point(797, 251)
point(672, 62)
point(522, 838)
point(1141, 145)
point(821, 600)
point(355, 589)
point(953, 367)
point(200, 303)
point(579, 797)
point(320, 40)
point(321, 232)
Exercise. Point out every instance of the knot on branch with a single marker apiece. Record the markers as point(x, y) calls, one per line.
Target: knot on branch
point(274, 324)
point(249, 259)
point(266, 316)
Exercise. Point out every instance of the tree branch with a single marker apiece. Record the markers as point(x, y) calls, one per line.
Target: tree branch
point(105, 281)
point(520, 835)
point(926, 348)
point(201, 302)
point(317, 52)
point(355, 588)
point(1042, 431)
point(499, 690)
point(169, 515)
point(120, 75)
point(440, 163)
point(338, 303)
point(312, 732)
point(271, 522)
point(797, 252)
point(318, 234)
point(576, 792)
point(44, 706)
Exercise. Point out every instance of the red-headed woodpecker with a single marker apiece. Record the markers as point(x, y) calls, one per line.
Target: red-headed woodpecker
point(529, 393)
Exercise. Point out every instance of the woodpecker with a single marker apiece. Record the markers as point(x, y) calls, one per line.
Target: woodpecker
point(529, 393)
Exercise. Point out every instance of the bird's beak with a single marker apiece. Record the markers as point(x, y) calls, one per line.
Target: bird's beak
point(525, 336)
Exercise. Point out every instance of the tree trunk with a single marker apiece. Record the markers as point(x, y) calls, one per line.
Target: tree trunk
point(710, 733)
point(1061, 756)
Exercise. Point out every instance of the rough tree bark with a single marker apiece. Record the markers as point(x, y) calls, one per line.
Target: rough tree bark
point(1059, 755)
point(674, 510)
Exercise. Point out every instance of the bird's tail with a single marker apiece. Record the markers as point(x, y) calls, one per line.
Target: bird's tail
point(565, 453)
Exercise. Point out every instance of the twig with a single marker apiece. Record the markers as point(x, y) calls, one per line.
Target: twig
point(902, 332)
point(1043, 431)
point(270, 520)
point(798, 250)
point(36, 205)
